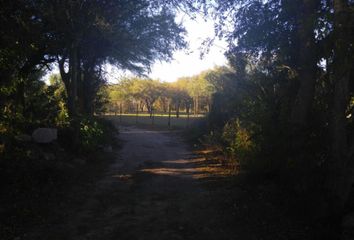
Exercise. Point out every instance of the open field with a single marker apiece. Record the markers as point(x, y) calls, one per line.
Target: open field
point(159, 120)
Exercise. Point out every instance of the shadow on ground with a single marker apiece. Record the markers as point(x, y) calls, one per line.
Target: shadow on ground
point(159, 189)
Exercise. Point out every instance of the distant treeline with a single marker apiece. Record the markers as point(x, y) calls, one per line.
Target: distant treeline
point(190, 95)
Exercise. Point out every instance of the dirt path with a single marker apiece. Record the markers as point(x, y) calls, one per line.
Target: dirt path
point(163, 198)
point(151, 191)
point(157, 189)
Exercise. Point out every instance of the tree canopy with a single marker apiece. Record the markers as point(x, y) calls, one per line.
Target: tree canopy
point(293, 90)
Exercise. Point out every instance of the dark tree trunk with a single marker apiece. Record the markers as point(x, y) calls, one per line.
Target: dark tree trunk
point(169, 115)
point(187, 109)
point(177, 109)
point(120, 112)
point(149, 107)
point(340, 168)
point(196, 105)
point(164, 106)
point(89, 89)
point(137, 113)
point(306, 65)
point(74, 79)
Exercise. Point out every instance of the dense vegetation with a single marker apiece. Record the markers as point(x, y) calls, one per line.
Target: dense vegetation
point(287, 110)
point(79, 38)
point(282, 109)
point(129, 35)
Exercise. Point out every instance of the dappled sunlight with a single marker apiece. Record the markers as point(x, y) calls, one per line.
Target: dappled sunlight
point(196, 168)
point(184, 161)
point(193, 172)
point(173, 171)
point(205, 151)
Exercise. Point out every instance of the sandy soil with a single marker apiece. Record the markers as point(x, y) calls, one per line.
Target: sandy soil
point(151, 191)
point(158, 189)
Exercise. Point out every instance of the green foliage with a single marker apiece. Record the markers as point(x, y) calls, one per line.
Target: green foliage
point(91, 134)
point(95, 133)
point(238, 143)
point(291, 92)
point(152, 94)
point(31, 103)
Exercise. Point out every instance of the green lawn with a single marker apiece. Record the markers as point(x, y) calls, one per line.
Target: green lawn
point(159, 120)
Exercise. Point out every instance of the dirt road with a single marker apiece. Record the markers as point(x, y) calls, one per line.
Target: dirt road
point(163, 198)
point(153, 190)
point(157, 189)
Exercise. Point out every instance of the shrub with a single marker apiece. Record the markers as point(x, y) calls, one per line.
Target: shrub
point(237, 142)
point(94, 133)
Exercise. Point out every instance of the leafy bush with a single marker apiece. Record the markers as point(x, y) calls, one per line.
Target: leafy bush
point(237, 142)
point(90, 133)
point(95, 133)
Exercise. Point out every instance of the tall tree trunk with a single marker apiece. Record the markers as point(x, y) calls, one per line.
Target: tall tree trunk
point(149, 107)
point(164, 103)
point(74, 65)
point(196, 105)
point(169, 115)
point(74, 77)
point(305, 65)
point(187, 109)
point(340, 168)
point(177, 109)
point(305, 62)
point(120, 112)
point(84, 103)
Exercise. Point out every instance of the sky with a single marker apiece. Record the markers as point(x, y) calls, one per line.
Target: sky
point(186, 62)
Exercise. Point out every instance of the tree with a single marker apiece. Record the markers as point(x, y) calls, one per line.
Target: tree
point(341, 162)
point(22, 55)
point(129, 35)
point(146, 91)
point(293, 59)
point(183, 85)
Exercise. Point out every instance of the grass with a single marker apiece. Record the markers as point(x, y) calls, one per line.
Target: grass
point(159, 120)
